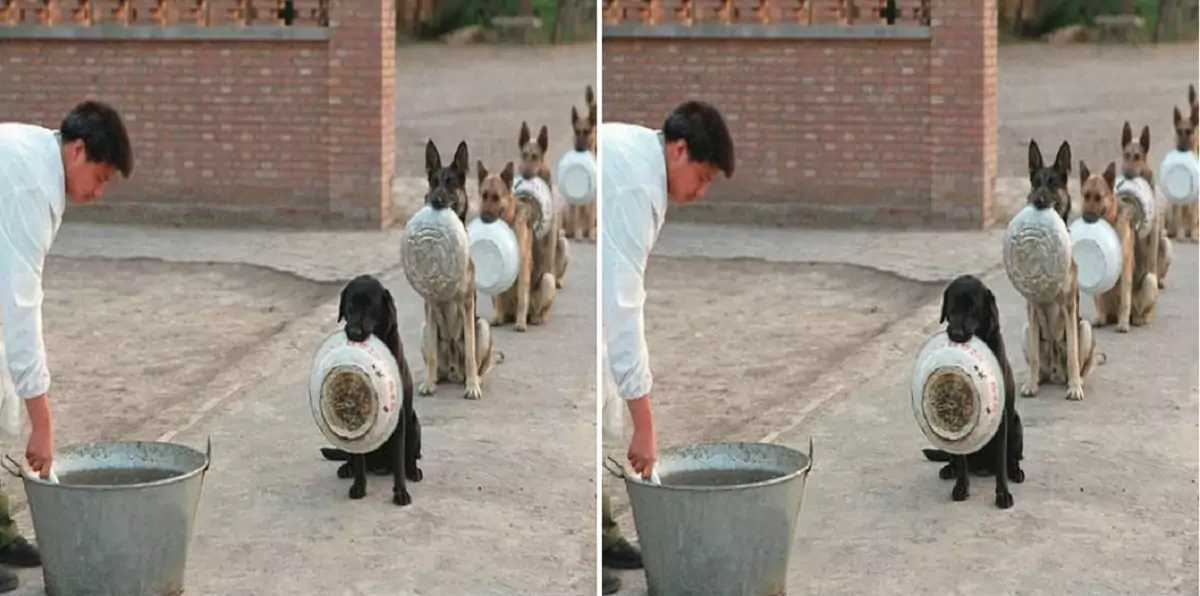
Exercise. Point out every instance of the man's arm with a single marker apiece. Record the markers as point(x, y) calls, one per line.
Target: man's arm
point(26, 230)
point(628, 235)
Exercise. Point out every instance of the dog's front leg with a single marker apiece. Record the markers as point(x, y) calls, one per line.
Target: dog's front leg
point(358, 462)
point(1125, 296)
point(1033, 334)
point(400, 494)
point(962, 483)
point(523, 277)
point(467, 312)
point(429, 349)
point(1004, 498)
point(1071, 321)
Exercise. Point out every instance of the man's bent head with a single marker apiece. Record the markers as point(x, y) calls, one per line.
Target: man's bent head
point(698, 146)
point(95, 146)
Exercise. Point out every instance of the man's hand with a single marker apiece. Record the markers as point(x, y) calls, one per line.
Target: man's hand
point(643, 448)
point(39, 452)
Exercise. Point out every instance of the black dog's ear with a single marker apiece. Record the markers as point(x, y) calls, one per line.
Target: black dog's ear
point(1062, 161)
point(993, 311)
point(389, 312)
point(342, 304)
point(945, 303)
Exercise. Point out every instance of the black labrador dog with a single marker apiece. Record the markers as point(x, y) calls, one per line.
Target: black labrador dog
point(368, 309)
point(969, 308)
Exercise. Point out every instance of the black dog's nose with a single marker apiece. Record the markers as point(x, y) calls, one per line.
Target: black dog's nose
point(958, 336)
point(355, 334)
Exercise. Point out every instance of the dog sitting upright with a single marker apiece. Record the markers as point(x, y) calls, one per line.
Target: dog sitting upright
point(367, 309)
point(457, 343)
point(533, 164)
point(1184, 220)
point(969, 309)
point(1132, 300)
point(1058, 343)
point(580, 220)
point(1135, 164)
point(529, 300)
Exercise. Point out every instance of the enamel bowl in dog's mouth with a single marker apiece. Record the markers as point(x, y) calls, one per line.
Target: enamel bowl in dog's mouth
point(1138, 194)
point(957, 392)
point(1037, 254)
point(534, 195)
point(1179, 177)
point(577, 177)
point(496, 255)
point(354, 392)
point(435, 253)
point(1096, 249)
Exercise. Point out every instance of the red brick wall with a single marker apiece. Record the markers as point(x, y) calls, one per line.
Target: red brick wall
point(832, 131)
point(260, 132)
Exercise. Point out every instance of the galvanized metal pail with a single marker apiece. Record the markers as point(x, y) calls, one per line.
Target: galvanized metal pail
point(117, 539)
point(726, 540)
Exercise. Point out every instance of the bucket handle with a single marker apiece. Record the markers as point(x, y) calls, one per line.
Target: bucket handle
point(810, 453)
point(614, 467)
point(11, 466)
point(208, 455)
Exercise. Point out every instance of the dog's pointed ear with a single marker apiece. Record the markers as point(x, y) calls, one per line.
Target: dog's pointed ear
point(1126, 135)
point(1084, 173)
point(575, 115)
point(1035, 158)
point(1195, 115)
point(1110, 175)
point(1192, 94)
point(544, 139)
point(1062, 162)
point(462, 160)
point(342, 304)
point(481, 172)
point(592, 116)
point(433, 160)
point(590, 96)
point(1144, 140)
point(1177, 117)
point(507, 175)
point(523, 137)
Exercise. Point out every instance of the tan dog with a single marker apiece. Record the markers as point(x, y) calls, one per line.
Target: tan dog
point(1184, 220)
point(1135, 164)
point(1059, 345)
point(533, 163)
point(530, 299)
point(456, 343)
point(580, 220)
point(1132, 300)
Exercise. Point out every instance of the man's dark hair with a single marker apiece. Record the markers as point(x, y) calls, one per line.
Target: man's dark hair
point(703, 130)
point(103, 134)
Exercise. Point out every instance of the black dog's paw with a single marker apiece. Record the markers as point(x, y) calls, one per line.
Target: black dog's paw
point(401, 498)
point(947, 472)
point(344, 471)
point(1004, 500)
point(358, 491)
point(960, 493)
point(1016, 474)
point(414, 474)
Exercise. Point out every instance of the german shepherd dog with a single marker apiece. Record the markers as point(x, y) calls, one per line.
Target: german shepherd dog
point(530, 299)
point(1135, 164)
point(969, 309)
point(367, 309)
point(580, 220)
point(533, 163)
point(1184, 220)
point(457, 343)
point(1058, 344)
point(1132, 300)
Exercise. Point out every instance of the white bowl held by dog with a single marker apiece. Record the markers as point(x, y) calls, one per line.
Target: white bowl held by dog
point(1096, 248)
point(435, 253)
point(354, 392)
point(1037, 254)
point(496, 255)
point(534, 194)
point(957, 393)
point(1138, 194)
point(577, 177)
point(1179, 177)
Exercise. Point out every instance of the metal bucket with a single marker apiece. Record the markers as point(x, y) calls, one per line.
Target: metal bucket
point(723, 520)
point(119, 521)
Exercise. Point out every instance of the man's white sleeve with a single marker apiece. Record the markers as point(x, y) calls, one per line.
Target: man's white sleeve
point(628, 231)
point(26, 232)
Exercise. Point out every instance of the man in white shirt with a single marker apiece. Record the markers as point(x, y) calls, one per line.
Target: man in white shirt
point(40, 169)
point(642, 167)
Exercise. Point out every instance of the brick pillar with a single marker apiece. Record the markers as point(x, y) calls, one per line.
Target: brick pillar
point(962, 93)
point(362, 110)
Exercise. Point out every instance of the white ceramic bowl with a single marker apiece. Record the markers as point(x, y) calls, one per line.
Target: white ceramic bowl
point(577, 177)
point(957, 393)
point(354, 392)
point(496, 255)
point(435, 253)
point(1037, 254)
point(1138, 193)
point(1096, 249)
point(1179, 177)
point(535, 194)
